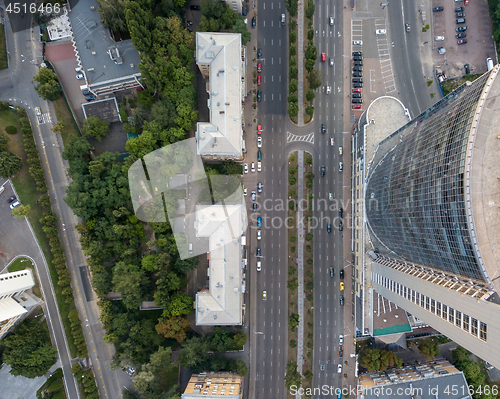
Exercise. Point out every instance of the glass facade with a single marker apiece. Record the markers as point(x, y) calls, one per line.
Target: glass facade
point(415, 202)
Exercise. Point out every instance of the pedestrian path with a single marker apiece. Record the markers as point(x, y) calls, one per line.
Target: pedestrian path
point(308, 138)
point(300, 61)
point(300, 263)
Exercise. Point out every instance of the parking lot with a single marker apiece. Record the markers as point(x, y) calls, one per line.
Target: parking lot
point(479, 44)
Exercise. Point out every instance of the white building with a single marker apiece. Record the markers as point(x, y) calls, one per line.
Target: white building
point(15, 303)
point(220, 58)
point(222, 302)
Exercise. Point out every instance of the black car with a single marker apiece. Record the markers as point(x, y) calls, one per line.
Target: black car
point(460, 14)
point(357, 80)
point(357, 101)
point(341, 227)
point(323, 128)
point(331, 272)
point(357, 53)
point(195, 8)
point(461, 29)
point(357, 85)
point(460, 35)
point(259, 95)
point(357, 74)
point(341, 274)
point(341, 300)
point(357, 57)
point(322, 170)
point(357, 69)
point(436, 9)
point(358, 63)
point(467, 69)
point(356, 95)
point(341, 210)
point(254, 22)
point(11, 199)
point(254, 207)
point(258, 252)
point(328, 228)
point(458, 9)
point(259, 53)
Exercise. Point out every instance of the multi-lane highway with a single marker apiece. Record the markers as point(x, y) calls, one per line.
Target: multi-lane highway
point(270, 319)
point(328, 314)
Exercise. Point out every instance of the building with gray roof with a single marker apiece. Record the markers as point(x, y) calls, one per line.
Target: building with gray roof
point(107, 65)
point(220, 59)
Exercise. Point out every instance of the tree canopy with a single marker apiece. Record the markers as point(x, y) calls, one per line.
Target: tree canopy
point(48, 87)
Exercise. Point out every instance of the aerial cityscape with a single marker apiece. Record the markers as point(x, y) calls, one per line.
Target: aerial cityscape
point(249, 199)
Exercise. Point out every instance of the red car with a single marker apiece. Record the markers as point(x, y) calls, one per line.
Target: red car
point(462, 41)
point(466, 2)
point(258, 80)
point(259, 67)
point(357, 90)
point(356, 106)
point(323, 57)
point(259, 129)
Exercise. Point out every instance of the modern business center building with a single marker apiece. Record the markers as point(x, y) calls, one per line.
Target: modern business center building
point(432, 212)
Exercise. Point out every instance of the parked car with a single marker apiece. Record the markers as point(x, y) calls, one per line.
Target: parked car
point(357, 80)
point(462, 41)
point(461, 21)
point(259, 142)
point(357, 42)
point(340, 150)
point(259, 129)
point(341, 225)
point(259, 187)
point(259, 53)
point(357, 101)
point(79, 76)
point(458, 9)
point(356, 95)
point(258, 252)
point(381, 32)
point(254, 207)
point(11, 199)
point(467, 69)
point(259, 265)
point(460, 35)
point(254, 195)
point(245, 191)
point(254, 22)
point(341, 212)
point(357, 90)
point(460, 15)
point(259, 67)
point(357, 74)
point(259, 95)
point(90, 98)
point(341, 300)
point(341, 351)
point(436, 9)
point(259, 234)
point(341, 274)
point(357, 69)
point(245, 168)
point(259, 221)
point(259, 155)
point(357, 84)
point(259, 80)
point(341, 286)
point(338, 392)
point(356, 106)
point(252, 167)
point(357, 53)
point(439, 38)
point(86, 93)
point(461, 29)
point(14, 205)
point(358, 63)
point(341, 166)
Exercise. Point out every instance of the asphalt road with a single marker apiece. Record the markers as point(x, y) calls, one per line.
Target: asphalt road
point(270, 320)
point(410, 80)
point(328, 315)
point(25, 54)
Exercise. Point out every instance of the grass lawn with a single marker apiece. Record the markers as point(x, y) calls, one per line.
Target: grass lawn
point(169, 377)
point(63, 116)
point(26, 191)
point(3, 49)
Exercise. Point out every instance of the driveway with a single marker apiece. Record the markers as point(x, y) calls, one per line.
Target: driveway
point(479, 44)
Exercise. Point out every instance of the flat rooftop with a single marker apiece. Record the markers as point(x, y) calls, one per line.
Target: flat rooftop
point(484, 174)
point(106, 110)
point(93, 43)
point(388, 318)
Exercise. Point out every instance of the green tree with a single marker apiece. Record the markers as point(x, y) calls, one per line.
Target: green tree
point(48, 87)
point(311, 52)
point(181, 304)
point(240, 339)
point(10, 164)
point(294, 72)
point(292, 87)
point(194, 351)
point(310, 110)
point(95, 127)
point(293, 110)
point(293, 37)
point(292, 376)
point(309, 65)
point(428, 348)
point(130, 281)
point(310, 95)
point(21, 211)
point(241, 27)
point(221, 340)
point(292, 7)
point(314, 79)
point(3, 142)
point(28, 350)
point(293, 321)
point(310, 34)
point(240, 367)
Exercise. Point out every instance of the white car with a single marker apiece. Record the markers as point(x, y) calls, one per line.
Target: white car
point(245, 191)
point(439, 38)
point(381, 32)
point(264, 295)
point(259, 265)
point(38, 111)
point(259, 166)
point(245, 168)
point(78, 69)
point(259, 234)
point(340, 150)
point(253, 167)
point(331, 21)
point(330, 196)
point(14, 204)
point(259, 142)
point(331, 141)
point(357, 42)
point(254, 195)
point(328, 89)
point(341, 340)
point(339, 368)
point(79, 76)
point(331, 61)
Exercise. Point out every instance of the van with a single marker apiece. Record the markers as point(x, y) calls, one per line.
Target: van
point(190, 250)
point(489, 64)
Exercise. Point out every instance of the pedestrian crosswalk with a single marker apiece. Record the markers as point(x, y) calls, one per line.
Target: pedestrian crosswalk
point(44, 118)
point(309, 138)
